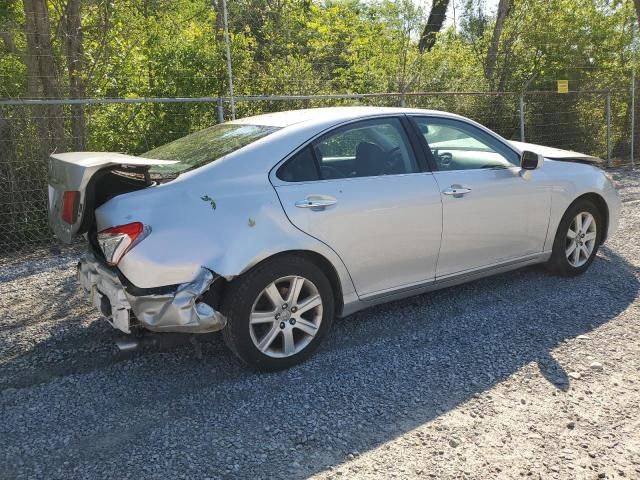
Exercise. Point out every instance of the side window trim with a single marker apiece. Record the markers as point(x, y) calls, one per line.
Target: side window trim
point(422, 142)
point(421, 154)
point(471, 126)
point(316, 161)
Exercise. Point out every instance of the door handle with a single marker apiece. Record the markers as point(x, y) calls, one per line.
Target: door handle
point(316, 202)
point(456, 190)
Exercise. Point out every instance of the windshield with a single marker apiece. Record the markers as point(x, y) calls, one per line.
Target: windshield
point(205, 146)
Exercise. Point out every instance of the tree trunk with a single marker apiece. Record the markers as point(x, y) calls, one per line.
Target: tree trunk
point(434, 25)
point(31, 55)
point(218, 29)
point(11, 203)
point(636, 134)
point(9, 44)
point(636, 113)
point(41, 144)
point(41, 71)
point(73, 35)
point(492, 54)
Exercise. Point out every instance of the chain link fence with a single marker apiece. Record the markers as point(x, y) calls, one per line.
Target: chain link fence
point(31, 129)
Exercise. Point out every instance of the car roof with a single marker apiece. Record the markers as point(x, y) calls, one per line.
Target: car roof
point(330, 114)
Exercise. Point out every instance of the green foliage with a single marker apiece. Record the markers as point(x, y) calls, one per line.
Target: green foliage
point(210, 200)
point(175, 48)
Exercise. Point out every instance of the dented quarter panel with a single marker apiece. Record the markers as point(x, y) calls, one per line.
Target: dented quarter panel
point(180, 311)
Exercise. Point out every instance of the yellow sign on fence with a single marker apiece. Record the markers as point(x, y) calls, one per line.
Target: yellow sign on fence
point(563, 86)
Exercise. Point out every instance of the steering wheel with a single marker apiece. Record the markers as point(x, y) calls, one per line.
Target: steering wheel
point(443, 159)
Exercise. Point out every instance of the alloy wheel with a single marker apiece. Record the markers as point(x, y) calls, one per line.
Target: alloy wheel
point(581, 239)
point(285, 316)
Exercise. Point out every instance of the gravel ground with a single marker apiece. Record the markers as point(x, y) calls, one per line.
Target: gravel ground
point(522, 374)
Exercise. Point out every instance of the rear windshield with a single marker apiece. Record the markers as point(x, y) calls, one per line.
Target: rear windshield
point(205, 146)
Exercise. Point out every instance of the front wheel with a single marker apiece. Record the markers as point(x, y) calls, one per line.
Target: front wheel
point(577, 239)
point(278, 312)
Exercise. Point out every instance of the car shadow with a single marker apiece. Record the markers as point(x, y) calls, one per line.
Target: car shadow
point(382, 372)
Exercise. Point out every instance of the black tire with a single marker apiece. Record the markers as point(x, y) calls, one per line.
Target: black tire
point(558, 263)
point(243, 292)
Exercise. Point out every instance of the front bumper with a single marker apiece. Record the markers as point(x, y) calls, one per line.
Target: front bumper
point(180, 310)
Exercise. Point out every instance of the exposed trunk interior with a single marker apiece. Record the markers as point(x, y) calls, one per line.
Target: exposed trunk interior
point(79, 182)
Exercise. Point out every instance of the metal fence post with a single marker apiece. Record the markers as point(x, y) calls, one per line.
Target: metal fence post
point(633, 115)
point(228, 51)
point(608, 129)
point(633, 91)
point(522, 118)
point(220, 109)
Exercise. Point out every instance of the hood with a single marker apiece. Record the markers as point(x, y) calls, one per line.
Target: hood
point(556, 153)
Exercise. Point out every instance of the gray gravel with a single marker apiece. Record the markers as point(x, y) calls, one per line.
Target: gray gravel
point(523, 374)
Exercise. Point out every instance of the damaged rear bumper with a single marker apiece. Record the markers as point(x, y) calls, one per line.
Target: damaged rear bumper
point(179, 310)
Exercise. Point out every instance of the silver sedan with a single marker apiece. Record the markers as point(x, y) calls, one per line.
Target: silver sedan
point(269, 227)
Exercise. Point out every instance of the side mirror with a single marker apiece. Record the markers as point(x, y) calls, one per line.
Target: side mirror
point(531, 160)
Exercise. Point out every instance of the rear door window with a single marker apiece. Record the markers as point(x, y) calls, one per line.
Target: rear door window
point(206, 146)
point(302, 167)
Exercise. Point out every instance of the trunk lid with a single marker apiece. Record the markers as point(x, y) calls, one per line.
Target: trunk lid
point(89, 179)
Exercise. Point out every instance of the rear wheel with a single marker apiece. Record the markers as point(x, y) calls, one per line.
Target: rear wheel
point(577, 239)
point(278, 312)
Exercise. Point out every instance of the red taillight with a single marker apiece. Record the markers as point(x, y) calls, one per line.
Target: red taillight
point(131, 229)
point(70, 201)
point(116, 241)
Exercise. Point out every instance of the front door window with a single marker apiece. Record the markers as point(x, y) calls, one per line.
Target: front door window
point(460, 146)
